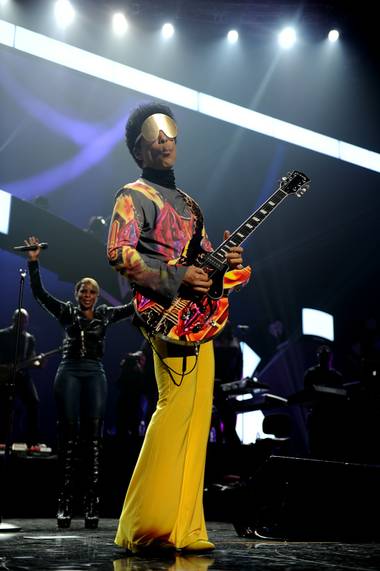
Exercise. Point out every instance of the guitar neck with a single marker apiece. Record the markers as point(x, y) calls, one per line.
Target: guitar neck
point(38, 357)
point(217, 258)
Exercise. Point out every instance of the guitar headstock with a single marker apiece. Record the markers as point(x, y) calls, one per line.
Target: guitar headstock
point(295, 182)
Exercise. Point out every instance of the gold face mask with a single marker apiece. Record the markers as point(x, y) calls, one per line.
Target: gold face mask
point(152, 126)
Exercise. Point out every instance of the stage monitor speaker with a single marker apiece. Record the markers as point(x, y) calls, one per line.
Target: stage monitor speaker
point(301, 499)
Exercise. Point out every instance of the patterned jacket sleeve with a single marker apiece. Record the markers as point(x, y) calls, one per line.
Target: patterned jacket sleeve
point(54, 306)
point(149, 274)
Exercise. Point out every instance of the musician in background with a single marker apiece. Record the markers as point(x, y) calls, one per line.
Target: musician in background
point(153, 222)
point(24, 389)
point(323, 373)
point(327, 419)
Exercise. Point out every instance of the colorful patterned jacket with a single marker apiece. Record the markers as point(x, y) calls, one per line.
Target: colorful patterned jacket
point(153, 231)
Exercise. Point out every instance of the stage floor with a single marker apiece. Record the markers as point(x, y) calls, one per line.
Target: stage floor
point(40, 546)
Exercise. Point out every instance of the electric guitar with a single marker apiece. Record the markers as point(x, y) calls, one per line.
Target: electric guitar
point(193, 319)
point(7, 369)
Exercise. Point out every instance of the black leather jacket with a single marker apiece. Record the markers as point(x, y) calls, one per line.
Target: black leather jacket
point(84, 338)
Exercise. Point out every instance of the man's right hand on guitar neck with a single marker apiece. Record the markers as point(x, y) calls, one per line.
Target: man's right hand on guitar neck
point(197, 280)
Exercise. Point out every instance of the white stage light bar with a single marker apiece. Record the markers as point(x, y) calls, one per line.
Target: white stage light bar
point(266, 125)
point(5, 211)
point(7, 33)
point(77, 59)
point(102, 68)
point(318, 323)
point(359, 156)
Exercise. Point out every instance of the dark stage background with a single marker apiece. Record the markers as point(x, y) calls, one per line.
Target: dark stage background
point(62, 139)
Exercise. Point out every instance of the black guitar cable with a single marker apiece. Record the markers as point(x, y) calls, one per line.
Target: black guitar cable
point(170, 370)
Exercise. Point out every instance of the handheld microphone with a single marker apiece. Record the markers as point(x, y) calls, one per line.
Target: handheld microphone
point(42, 245)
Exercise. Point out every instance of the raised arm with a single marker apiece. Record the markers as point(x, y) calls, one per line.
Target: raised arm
point(54, 306)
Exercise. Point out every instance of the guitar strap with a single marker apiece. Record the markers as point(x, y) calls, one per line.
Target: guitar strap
point(193, 248)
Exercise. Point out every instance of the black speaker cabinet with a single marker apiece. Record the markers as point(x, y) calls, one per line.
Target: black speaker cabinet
point(301, 499)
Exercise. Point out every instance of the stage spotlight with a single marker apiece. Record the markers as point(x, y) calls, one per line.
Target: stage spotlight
point(333, 35)
point(287, 38)
point(119, 23)
point(64, 13)
point(167, 30)
point(317, 323)
point(233, 36)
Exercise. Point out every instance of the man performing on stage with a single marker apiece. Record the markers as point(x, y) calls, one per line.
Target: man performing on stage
point(24, 388)
point(152, 224)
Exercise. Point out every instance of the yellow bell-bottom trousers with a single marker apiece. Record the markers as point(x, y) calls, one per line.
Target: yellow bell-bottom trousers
point(164, 500)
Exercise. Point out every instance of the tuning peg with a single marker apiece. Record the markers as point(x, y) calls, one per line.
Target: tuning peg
point(302, 191)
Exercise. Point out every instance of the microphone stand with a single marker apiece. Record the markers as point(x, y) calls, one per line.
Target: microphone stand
point(9, 527)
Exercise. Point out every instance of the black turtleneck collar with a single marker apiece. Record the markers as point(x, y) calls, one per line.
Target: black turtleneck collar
point(162, 177)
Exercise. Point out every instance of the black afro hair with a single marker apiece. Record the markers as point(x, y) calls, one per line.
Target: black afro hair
point(137, 118)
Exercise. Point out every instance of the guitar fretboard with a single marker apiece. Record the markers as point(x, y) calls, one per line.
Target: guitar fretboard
point(217, 258)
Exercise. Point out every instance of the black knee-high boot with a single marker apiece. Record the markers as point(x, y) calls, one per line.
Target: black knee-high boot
point(92, 445)
point(67, 440)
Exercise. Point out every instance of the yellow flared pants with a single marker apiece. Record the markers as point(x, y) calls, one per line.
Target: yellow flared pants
point(164, 501)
